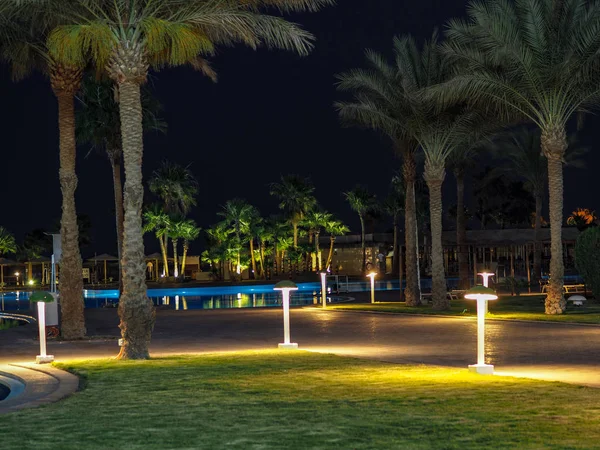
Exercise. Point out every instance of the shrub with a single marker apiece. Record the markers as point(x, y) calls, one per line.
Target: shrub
point(587, 258)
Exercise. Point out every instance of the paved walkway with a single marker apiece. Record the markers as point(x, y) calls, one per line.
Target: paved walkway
point(552, 351)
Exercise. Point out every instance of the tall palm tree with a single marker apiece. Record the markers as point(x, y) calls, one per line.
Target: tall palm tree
point(333, 228)
point(27, 53)
point(362, 202)
point(189, 232)
point(176, 186)
point(535, 60)
point(380, 103)
point(317, 220)
point(97, 124)
point(394, 207)
point(127, 38)
point(238, 214)
point(295, 195)
point(157, 220)
point(175, 232)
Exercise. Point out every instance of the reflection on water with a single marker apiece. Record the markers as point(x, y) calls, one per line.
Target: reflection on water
point(239, 300)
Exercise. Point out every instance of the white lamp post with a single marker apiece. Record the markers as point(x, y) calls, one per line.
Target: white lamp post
point(17, 275)
point(285, 287)
point(372, 276)
point(324, 288)
point(41, 298)
point(482, 294)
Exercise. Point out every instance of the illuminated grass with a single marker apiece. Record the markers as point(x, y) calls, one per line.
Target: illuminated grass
point(298, 400)
point(506, 307)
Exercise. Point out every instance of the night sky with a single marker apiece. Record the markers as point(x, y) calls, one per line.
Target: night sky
point(270, 114)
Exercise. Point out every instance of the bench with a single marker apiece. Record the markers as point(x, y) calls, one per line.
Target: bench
point(452, 295)
point(568, 288)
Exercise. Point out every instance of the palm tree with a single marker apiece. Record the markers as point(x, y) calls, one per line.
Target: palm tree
point(380, 103)
point(27, 52)
point(582, 218)
point(238, 214)
point(7, 242)
point(394, 207)
point(175, 231)
point(334, 228)
point(188, 232)
point(316, 221)
point(176, 186)
point(127, 38)
point(521, 151)
point(97, 123)
point(296, 199)
point(362, 202)
point(157, 220)
point(534, 60)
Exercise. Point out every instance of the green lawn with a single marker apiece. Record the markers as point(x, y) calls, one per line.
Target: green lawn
point(298, 400)
point(506, 307)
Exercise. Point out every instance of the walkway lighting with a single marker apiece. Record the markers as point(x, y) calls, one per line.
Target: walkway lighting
point(486, 277)
point(324, 288)
point(372, 276)
point(482, 294)
point(41, 298)
point(285, 287)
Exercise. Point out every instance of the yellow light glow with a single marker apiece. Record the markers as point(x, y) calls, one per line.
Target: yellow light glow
point(481, 297)
point(31, 282)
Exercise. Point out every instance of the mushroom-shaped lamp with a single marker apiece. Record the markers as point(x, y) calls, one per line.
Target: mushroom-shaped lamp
point(285, 287)
point(482, 294)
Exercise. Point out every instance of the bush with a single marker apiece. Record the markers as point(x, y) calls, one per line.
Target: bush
point(587, 258)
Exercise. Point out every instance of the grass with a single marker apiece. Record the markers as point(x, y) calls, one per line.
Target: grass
point(298, 400)
point(506, 307)
point(5, 324)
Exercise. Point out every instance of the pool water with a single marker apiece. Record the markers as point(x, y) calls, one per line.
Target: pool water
point(216, 297)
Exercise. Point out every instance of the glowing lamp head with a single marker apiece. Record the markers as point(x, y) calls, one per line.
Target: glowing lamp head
point(486, 273)
point(372, 275)
point(480, 293)
point(40, 296)
point(31, 282)
point(285, 285)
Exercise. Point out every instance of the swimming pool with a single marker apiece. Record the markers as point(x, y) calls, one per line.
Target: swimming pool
point(215, 297)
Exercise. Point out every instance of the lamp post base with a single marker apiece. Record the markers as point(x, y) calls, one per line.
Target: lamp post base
point(482, 369)
point(292, 346)
point(39, 359)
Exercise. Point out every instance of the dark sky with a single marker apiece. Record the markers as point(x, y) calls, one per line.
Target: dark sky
point(270, 114)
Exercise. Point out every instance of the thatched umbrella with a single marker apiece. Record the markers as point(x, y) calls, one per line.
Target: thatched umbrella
point(5, 262)
point(104, 257)
point(42, 260)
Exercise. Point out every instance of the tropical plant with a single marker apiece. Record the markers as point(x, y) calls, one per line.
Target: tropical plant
point(238, 214)
point(587, 258)
point(316, 221)
point(189, 232)
point(362, 202)
point(97, 124)
point(127, 38)
point(158, 221)
point(334, 228)
point(295, 195)
point(394, 207)
point(582, 218)
point(27, 52)
point(8, 244)
point(176, 186)
point(379, 103)
point(534, 60)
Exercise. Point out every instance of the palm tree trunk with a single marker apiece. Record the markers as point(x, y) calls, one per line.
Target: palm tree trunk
point(135, 308)
point(461, 231)
point(400, 272)
point(362, 243)
point(537, 245)
point(163, 251)
point(262, 259)
point(317, 251)
point(115, 164)
point(554, 144)
point(330, 255)
point(186, 246)
point(71, 280)
point(252, 256)
point(175, 262)
point(434, 176)
point(413, 286)
point(295, 229)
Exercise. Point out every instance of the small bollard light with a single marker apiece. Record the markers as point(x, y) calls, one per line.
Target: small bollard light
point(41, 298)
point(324, 288)
point(372, 277)
point(285, 287)
point(485, 275)
point(482, 294)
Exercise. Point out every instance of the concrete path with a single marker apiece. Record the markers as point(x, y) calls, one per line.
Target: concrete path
point(551, 351)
